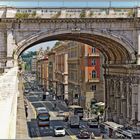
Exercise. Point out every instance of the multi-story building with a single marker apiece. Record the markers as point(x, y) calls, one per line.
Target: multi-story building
point(84, 74)
point(42, 68)
point(61, 70)
point(33, 64)
point(51, 72)
point(93, 75)
point(75, 73)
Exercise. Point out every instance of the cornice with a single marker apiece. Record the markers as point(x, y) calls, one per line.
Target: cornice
point(68, 20)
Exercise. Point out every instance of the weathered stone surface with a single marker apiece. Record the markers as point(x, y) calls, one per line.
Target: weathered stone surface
point(21, 128)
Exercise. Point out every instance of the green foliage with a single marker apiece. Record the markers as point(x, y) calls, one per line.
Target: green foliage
point(33, 14)
point(131, 13)
point(22, 15)
point(57, 43)
point(83, 14)
point(26, 15)
point(97, 110)
point(27, 57)
point(90, 14)
point(57, 14)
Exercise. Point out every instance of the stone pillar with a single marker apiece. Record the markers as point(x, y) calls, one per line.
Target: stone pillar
point(128, 103)
point(139, 102)
point(121, 96)
point(138, 57)
point(134, 100)
point(65, 76)
point(2, 49)
point(65, 91)
point(10, 49)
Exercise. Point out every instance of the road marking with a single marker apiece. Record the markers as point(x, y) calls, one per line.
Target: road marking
point(34, 111)
point(73, 137)
point(37, 132)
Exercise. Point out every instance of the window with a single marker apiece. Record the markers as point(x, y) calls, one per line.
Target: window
point(93, 74)
point(93, 87)
point(76, 96)
point(93, 50)
point(93, 62)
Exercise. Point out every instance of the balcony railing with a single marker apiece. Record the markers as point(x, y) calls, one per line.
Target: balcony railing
point(92, 80)
point(13, 12)
point(93, 54)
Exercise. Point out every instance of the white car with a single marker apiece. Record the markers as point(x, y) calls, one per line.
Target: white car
point(59, 130)
point(47, 93)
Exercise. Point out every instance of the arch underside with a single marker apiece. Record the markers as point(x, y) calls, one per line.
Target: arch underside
point(113, 51)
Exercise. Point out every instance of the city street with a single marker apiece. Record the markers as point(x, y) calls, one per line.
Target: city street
point(34, 100)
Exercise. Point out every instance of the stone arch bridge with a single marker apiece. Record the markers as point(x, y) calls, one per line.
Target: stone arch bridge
point(117, 38)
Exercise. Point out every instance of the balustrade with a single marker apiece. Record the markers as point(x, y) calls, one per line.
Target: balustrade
point(8, 103)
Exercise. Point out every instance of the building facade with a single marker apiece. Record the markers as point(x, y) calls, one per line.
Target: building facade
point(42, 69)
point(61, 70)
point(51, 72)
point(34, 64)
point(85, 79)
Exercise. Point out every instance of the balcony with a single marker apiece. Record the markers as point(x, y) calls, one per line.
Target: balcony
point(93, 80)
point(93, 55)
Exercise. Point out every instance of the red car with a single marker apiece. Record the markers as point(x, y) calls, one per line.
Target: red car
point(84, 134)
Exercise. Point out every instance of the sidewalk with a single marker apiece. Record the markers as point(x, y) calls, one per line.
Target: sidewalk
point(21, 128)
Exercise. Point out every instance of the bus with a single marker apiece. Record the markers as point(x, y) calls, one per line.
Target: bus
point(42, 116)
point(127, 134)
point(76, 110)
point(110, 128)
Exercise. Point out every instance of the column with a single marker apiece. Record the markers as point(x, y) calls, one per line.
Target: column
point(139, 101)
point(128, 103)
point(121, 95)
point(138, 56)
point(10, 49)
point(65, 91)
point(2, 49)
point(134, 92)
point(65, 76)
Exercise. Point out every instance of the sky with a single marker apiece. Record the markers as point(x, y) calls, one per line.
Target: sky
point(67, 3)
point(70, 3)
point(44, 46)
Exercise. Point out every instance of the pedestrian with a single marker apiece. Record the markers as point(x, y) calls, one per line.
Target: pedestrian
point(98, 118)
point(54, 105)
point(26, 110)
point(92, 136)
point(66, 101)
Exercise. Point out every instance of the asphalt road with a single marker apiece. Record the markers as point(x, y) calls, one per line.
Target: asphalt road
point(34, 100)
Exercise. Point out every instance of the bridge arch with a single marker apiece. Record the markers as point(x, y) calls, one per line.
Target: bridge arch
point(113, 47)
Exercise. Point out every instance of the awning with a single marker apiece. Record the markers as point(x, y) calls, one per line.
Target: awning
point(100, 104)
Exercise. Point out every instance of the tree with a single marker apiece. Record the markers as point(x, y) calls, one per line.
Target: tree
point(57, 14)
point(33, 14)
point(83, 14)
point(27, 57)
point(22, 15)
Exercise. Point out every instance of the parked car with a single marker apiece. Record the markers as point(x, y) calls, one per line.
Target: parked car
point(59, 130)
point(84, 134)
point(26, 91)
point(93, 123)
point(47, 93)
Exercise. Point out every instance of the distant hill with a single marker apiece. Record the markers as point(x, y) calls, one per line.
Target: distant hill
point(27, 57)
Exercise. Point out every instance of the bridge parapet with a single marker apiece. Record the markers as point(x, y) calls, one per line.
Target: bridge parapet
point(8, 104)
point(13, 12)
